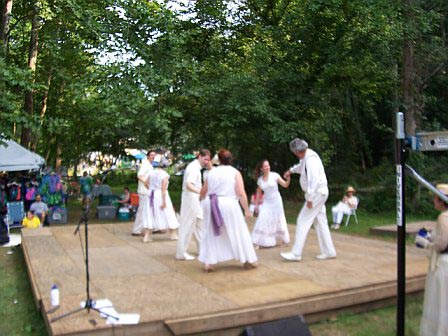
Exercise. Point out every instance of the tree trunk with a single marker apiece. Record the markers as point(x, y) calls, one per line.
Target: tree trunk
point(58, 161)
point(4, 28)
point(29, 94)
point(43, 110)
point(412, 116)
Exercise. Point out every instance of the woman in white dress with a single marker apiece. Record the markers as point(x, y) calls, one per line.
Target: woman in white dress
point(161, 209)
point(271, 222)
point(344, 207)
point(226, 235)
point(435, 304)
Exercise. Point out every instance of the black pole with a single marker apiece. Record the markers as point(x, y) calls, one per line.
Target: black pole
point(401, 223)
point(86, 232)
point(89, 304)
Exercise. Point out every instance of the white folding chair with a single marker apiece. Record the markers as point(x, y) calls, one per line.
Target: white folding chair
point(352, 213)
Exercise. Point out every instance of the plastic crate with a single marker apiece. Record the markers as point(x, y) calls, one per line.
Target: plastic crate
point(58, 216)
point(106, 211)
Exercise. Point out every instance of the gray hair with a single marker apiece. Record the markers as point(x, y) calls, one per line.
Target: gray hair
point(298, 145)
point(164, 163)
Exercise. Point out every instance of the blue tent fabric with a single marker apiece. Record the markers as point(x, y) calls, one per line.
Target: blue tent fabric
point(139, 156)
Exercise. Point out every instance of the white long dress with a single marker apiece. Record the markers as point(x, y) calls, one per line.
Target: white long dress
point(142, 216)
point(161, 219)
point(234, 241)
point(271, 222)
point(434, 320)
point(190, 210)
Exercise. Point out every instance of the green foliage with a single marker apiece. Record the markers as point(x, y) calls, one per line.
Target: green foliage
point(248, 75)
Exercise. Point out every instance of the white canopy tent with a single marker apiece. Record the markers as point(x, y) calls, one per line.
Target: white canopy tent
point(14, 157)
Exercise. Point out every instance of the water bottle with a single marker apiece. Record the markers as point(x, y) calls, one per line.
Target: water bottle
point(54, 295)
point(422, 233)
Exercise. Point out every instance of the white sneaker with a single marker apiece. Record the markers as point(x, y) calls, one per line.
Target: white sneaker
point(290, 256)
point(324, 256)
point(186, 256)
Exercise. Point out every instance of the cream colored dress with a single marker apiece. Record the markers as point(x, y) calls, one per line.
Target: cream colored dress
point(435, 305)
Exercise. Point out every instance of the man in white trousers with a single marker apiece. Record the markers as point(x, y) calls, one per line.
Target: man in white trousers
point(313, 182)
point(143, 191)
point(190, 209)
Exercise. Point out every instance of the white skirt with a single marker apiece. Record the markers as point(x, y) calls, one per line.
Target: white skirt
point(435, 305)
point(142, 217)
point(234, 241)
point(162, 219)
point(271, 224)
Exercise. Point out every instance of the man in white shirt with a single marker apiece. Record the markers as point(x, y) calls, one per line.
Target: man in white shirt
point(313, 182)
point(143, 191)
point(190, 209)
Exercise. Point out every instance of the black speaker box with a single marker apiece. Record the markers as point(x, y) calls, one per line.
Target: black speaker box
point(291, 326)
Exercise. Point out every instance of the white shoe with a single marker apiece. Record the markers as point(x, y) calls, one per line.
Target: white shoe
point(324, 256)
point(186, 256)
point(290, 256)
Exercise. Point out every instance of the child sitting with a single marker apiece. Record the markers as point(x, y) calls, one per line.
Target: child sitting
point(31, 221)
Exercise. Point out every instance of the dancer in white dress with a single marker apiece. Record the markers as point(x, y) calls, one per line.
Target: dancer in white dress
point(435, 304)
point(226, 235)
point(271, 222)
point(161, 211)
point(141, 218)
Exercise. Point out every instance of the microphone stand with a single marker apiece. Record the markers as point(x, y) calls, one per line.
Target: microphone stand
point(89, 303)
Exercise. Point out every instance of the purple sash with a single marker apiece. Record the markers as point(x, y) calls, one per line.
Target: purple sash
point(151, 199)
point(217, 220)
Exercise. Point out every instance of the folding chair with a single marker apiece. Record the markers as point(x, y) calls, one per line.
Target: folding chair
point(352, 213)
point(16, 213)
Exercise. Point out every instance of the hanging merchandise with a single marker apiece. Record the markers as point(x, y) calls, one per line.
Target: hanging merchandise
point(14, 192)
point(52, 193)
point(30, 194)
point(55, 183)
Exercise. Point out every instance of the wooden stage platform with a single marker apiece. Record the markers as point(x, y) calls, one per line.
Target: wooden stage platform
point(179, 298)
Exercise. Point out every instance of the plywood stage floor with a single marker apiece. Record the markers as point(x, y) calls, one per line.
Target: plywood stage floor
point(179, 298)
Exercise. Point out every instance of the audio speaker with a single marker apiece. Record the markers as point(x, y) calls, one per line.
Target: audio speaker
point(291, 326)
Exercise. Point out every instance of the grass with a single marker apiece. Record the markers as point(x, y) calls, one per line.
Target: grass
point(19, 316)
point(380, 322)
point(18, 313)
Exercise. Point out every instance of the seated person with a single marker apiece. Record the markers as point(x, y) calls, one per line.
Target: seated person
point(40, 209)
point(125, 200)
point(344, 207)
point(31, 221)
